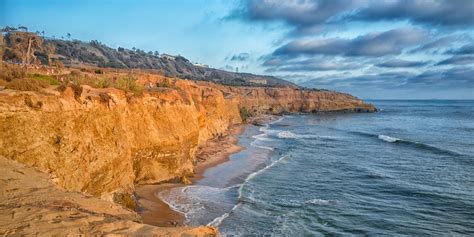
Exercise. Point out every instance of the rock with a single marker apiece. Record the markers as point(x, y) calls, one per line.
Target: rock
point(31, 205)
point(185, 180)
point(105, 150)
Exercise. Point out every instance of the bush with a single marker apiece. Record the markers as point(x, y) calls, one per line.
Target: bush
point(48, 79)
point(103, 83)
point(164, 83)
point(128, 84)
point(11, 72)
point(244, 114)
point(104, 97)
point(62, 87)
point(77, 91)
point(27, 84)
point(76, 77)
point(126, 200)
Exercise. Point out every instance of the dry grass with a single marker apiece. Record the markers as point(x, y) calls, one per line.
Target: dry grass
point(125, 200)
point(15, 77)
point(27, 84)
point(10, 72)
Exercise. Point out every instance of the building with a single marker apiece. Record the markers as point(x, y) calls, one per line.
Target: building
point(258, 81)
point(201, 65)
point(167, 56)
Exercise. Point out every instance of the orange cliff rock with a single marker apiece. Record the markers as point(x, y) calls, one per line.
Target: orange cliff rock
point(33, 206)
point(106, 141)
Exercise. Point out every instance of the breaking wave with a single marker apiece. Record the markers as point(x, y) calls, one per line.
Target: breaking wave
point(291, 135)
point(218, 220)
point(413, 144)
point(388, 138)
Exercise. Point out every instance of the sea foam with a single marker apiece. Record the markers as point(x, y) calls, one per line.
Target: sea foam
point(388, 138)
point(218, 220)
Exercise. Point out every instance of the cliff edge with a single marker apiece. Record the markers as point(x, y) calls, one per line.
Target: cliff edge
point(103, 141)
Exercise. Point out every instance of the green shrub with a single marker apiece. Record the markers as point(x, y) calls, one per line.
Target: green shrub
point(244, 114)
point(48, 79)
point(103, 83)
point(164, 83)
point(128, 84)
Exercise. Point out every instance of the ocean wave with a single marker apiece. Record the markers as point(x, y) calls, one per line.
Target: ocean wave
point(254, 144)
point(286, 134)
point(279, 120)
point(263, 137)
point(388, 138)
point(170, 200)
point(258, 172)
point(192, 201)
point(291, 135)
point(413, 144)
point(318, 201)
point(218, 220)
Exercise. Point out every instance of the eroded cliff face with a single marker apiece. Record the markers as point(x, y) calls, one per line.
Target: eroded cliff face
point(30, 205)
point(105, 141)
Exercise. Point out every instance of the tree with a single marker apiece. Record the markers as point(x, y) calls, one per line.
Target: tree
point(24, 45)
point(156, 53)
point(2, 46)
point(8, 29)
point(68, 35)
point(23, 28)
point(50, 49)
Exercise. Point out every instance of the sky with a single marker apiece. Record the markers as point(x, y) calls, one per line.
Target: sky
point(374, 49)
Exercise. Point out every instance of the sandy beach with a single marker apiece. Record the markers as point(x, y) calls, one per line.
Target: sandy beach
point(156, 212)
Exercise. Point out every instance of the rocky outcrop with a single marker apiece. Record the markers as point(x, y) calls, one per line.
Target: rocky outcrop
point(105, 141)
point(30, 205)
point(262, 100)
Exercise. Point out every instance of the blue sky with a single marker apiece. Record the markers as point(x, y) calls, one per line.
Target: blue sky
point(413, 49)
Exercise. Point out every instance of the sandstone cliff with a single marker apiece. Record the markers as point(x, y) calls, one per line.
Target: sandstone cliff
point(31, 205)
point(104, 141)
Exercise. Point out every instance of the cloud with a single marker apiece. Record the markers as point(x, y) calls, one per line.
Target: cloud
point(453, 78)
point(436, 44)
point(305, 15)
point(308, 65)
point(373, 44)
point(435, 12)
point(466, 49)
point(310, 16)
point(458, 60)
point(395, 63)
point(240, 57)
point(457, 77)
point(365, 82)
point(317, 46)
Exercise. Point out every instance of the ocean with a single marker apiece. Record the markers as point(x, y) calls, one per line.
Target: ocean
point(405, 170)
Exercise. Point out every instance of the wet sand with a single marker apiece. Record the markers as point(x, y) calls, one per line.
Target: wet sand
point(156, 212)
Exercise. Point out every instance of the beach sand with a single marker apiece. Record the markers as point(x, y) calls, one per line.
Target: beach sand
point(156, 212)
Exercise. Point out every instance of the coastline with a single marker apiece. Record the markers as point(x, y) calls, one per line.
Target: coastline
point(155, 211)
